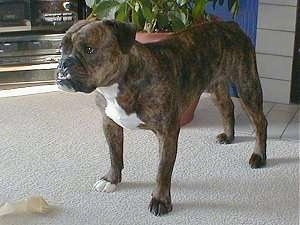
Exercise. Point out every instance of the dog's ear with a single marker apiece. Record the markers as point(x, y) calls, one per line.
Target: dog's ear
point(125, 33)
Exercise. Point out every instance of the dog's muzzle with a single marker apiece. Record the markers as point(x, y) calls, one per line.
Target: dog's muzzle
point(64, 77)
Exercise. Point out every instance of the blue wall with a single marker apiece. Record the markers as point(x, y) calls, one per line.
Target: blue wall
point(246, 18)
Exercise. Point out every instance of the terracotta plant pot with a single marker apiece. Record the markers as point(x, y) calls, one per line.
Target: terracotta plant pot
point(188, 114)
point(151, 37)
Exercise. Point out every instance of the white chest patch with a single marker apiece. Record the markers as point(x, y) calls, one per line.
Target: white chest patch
point(114, 111)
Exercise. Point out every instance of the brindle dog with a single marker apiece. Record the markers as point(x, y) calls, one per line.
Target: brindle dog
point(149, 86)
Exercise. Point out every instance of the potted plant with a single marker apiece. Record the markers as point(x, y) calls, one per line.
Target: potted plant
point(156, 19)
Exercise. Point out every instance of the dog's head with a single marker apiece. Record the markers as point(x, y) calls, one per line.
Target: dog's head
point(93, 54)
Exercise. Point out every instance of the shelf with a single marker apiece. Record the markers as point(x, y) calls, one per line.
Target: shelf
point(28, 67)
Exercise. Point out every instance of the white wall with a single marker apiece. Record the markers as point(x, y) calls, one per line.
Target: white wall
point(275, 47)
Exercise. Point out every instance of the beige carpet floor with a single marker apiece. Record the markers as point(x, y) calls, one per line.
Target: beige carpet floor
point(52, 145)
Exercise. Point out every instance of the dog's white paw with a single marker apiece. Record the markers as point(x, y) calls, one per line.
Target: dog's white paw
point(104, 186)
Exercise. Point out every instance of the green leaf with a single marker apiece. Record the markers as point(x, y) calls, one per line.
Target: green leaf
point(163, 21)
point(230, 3)
point(176, 22)
point(199, 8)
point(235, 8)
point(122, 14)
point(181, 2)
point(138, 19)
point(136, 6)
point(145, 7)
point(146, 4)
point(177, 25)
point(105, 8)
point(135, 19)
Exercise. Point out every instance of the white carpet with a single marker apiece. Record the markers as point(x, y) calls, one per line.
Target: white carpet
point(52, 145)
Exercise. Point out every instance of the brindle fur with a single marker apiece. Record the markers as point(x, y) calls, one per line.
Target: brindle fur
point(158, 81)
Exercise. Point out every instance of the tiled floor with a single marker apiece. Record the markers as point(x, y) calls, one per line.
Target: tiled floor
point(283, 120)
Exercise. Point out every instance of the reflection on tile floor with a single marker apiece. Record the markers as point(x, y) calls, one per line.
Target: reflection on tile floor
point(283, 120)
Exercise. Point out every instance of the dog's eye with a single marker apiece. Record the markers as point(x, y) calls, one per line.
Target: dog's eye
point(90, 50)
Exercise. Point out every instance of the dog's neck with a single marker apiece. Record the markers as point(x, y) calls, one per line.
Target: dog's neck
point(130, 74)
point(136, 69)
point(122, 69)
point(114, 72)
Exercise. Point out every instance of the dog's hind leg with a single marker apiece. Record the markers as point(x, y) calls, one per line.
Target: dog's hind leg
point(251, 99)
point(225, 105)
point(253, 105)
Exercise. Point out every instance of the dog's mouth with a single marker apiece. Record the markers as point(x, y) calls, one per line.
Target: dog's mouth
point(64, 82)
point(64, 79)
point(70, 76)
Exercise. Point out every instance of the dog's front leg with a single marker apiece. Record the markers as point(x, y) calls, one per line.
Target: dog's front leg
point(114, 138)
point(161, 197)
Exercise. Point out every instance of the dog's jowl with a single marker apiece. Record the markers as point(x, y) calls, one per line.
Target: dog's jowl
point(149, 86)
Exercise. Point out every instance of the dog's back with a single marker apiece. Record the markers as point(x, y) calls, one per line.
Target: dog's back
point(203, 55)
